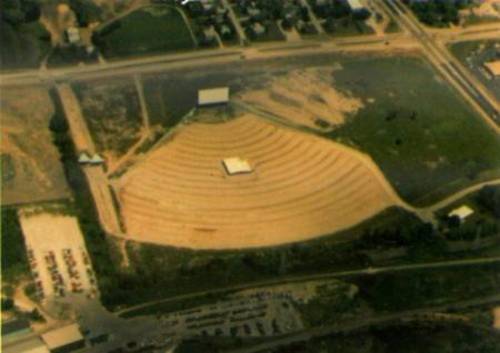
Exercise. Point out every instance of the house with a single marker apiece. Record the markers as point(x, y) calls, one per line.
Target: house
point(96, 160)
point(213, 96)
point(65, 339)
point(84, 158)
point(258, 28)
point(356, 5)
point(73, 35)
point(461, 212)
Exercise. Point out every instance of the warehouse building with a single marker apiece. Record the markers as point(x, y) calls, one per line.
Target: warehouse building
point(64, 340)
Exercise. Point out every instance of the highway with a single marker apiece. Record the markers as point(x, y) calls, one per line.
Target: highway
point(445, 63)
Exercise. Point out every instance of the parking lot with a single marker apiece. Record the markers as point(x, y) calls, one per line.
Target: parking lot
point(57, 256)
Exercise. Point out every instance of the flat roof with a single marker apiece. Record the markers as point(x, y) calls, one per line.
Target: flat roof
point(236, 165)
point(62, 336)
point(461, 212)
point(213, 96)
point(32, 345)
point(493, 67)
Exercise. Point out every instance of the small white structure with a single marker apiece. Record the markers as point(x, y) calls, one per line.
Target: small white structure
point(462, 212)
point(73, 35)
point(493, 67)
point(84, 158)
point(236, 165)
point(66, 338)
point(355, 5)
point(96, 160)
point(213, 96)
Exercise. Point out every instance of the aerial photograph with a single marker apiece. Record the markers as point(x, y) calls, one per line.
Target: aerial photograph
point(250, 176)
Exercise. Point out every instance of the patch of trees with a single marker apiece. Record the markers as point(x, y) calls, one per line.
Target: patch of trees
point(14, 259)
point(489, 199)
point(438, 13)
point(24, 41)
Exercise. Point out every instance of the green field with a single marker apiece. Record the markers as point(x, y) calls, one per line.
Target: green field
point(150, 30)
point(421, 133)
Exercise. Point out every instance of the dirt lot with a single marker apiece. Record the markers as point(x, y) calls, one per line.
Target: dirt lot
point(305, 97)
point(31, 170)
point(57, 255)
point(302, 187)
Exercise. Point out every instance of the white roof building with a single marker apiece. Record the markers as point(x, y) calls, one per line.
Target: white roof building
point(462, 212)
point(355, 5)
point(73, 35)
point(65, 336)
point(236, 165)
point(84, 158)
point(213, 96)
point(96, 159)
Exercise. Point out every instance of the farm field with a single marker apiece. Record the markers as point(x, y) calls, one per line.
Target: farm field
point(302, 187)
point(29, 174)
point(150, 30)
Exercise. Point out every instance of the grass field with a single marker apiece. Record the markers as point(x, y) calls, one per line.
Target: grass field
point(113, 114)
point(150, 30)
point(417, 129)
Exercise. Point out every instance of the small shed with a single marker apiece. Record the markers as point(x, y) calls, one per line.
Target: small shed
point(213, 96)
point(96, 160)
point(84, 158)
point(461, 212)
point(65, 339)
point(236, 165)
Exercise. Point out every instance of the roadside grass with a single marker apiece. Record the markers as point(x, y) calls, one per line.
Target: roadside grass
point(417, 129)
point(151, 30)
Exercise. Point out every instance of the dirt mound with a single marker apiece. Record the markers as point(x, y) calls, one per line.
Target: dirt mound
point(305, 97)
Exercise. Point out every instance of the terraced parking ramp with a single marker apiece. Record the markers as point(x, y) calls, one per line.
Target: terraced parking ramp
point(300, 187)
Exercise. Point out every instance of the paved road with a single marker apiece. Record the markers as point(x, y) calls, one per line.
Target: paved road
point(330, 275)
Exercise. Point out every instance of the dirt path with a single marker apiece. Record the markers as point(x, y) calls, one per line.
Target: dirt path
point(96, 177)
point(142, 102)
point(78, 127)
point(461, 194)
